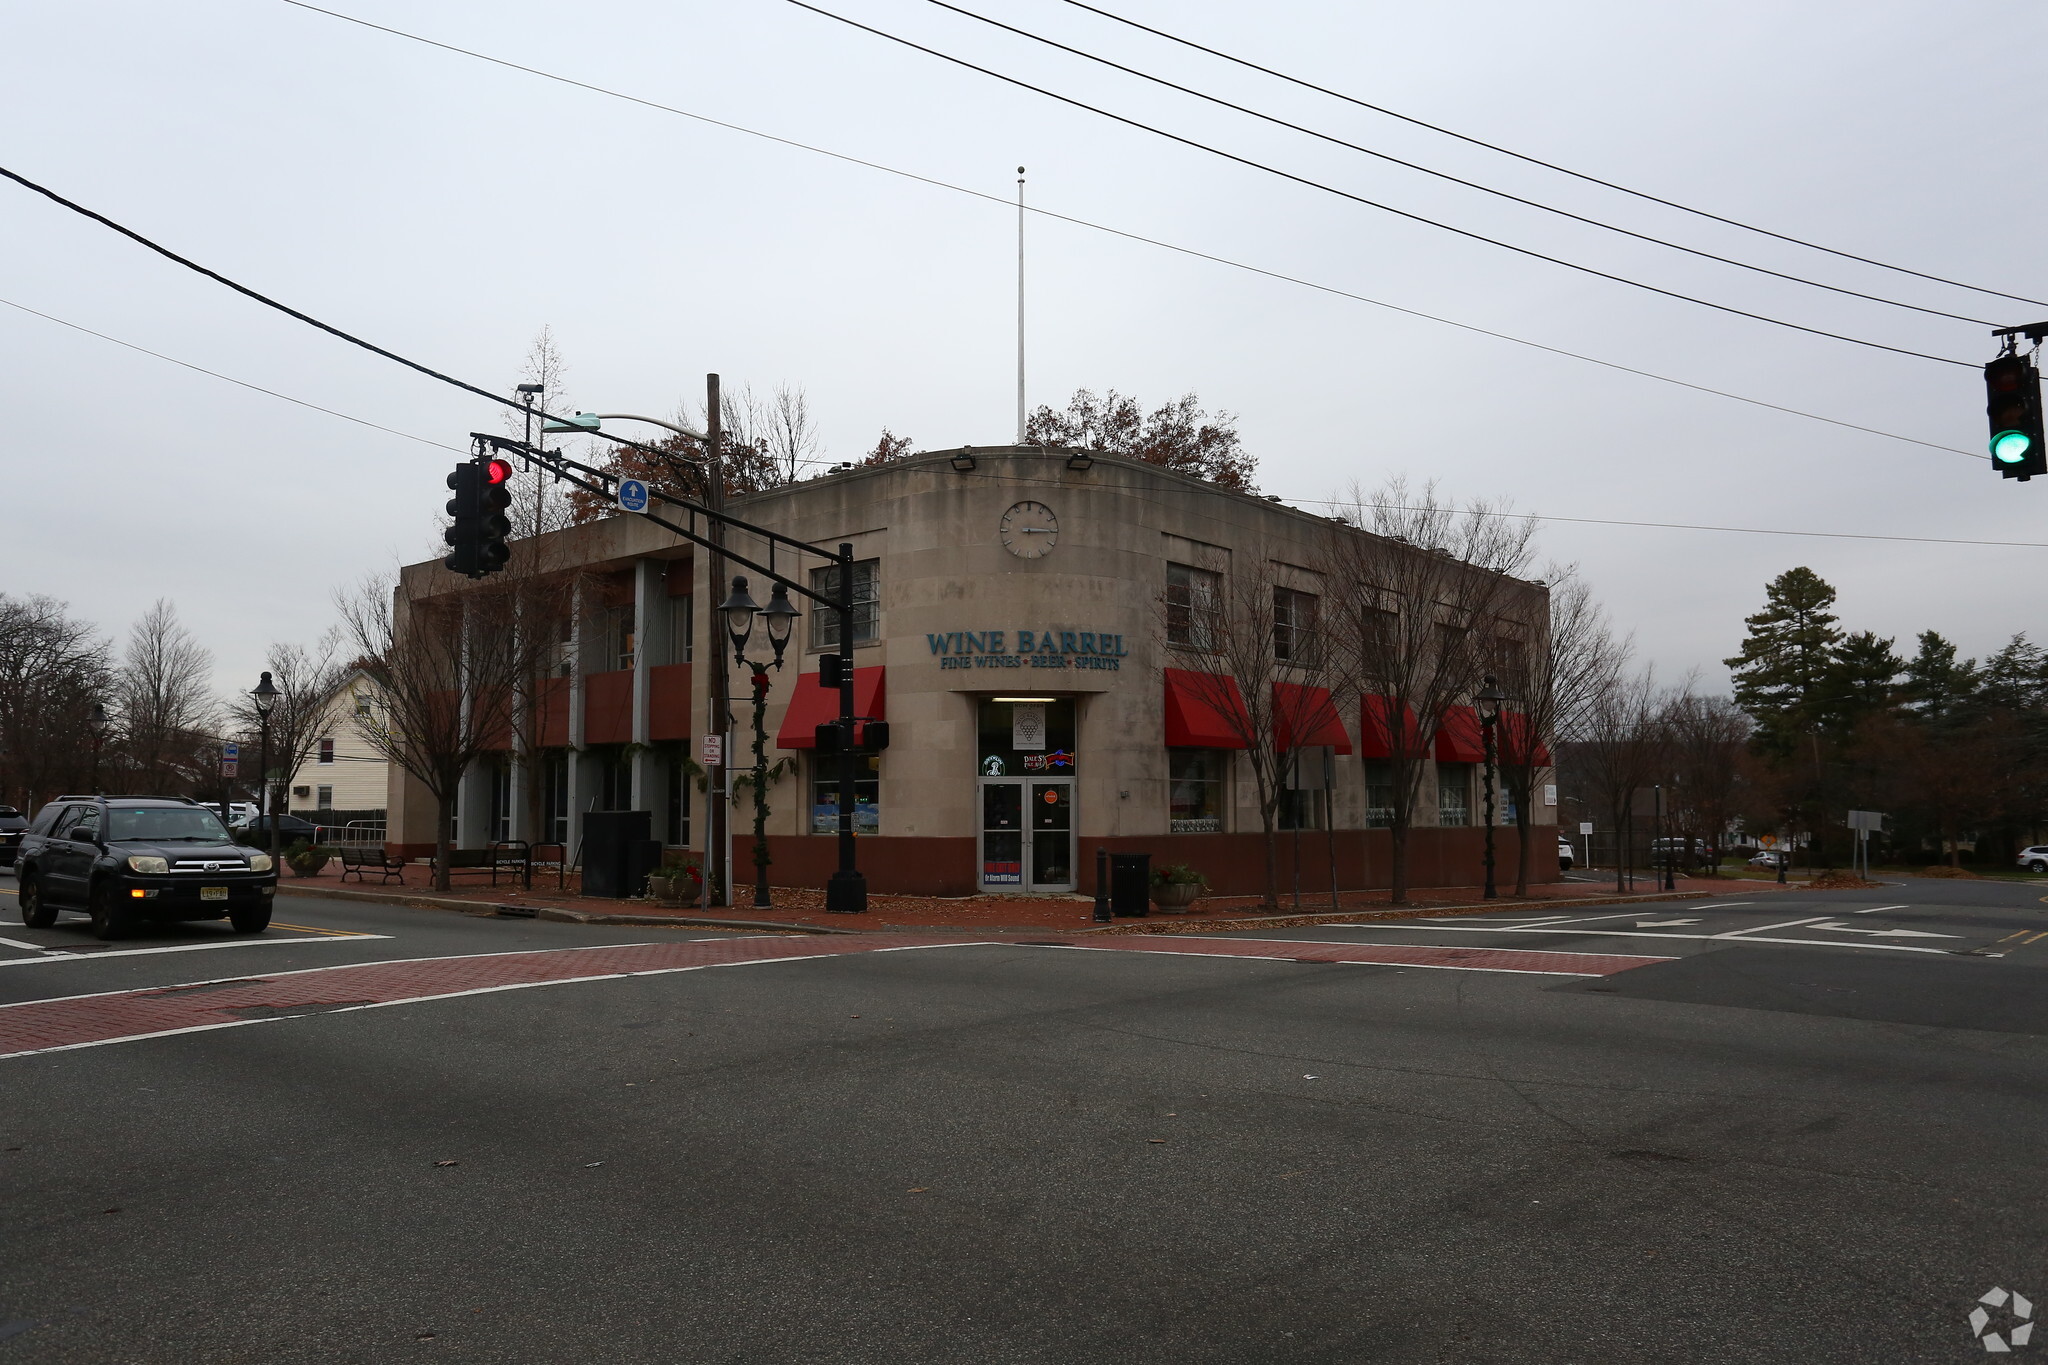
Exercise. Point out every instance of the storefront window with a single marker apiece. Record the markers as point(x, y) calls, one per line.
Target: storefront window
point(867, 794)
point(1379, 794)
point(1454, 793)
point(1301, 810)
point(1196, 783)
point(867, 604)
point(996, 752)
point(1192, 605)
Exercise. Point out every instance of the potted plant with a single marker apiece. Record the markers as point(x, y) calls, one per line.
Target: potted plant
point(676, 884)
point(1176, 888)
point(306, 860)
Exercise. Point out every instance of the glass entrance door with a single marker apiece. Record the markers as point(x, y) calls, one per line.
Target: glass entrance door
point(1027, 834)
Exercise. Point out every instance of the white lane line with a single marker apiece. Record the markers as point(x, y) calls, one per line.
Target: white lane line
point(1744, 937)
point(1722, 905)
point(17, 943)
point(1353, 943)
point(1766, 928)
point(1875, 908)
point(68, 955)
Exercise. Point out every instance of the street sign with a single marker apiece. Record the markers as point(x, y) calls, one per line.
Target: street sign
point(227, 767)
point(230, 752)
point(713, 750)
point(1585, 827)
point(632, 495)
point(1866, 820)
point(1767, 840)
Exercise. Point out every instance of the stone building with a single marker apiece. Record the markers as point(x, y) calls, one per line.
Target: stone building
point(1029, 624)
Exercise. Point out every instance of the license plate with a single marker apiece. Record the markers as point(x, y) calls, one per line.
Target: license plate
point(213, 893)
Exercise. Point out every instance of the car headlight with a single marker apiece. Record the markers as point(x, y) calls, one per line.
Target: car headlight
point(259, 862)
point(147, 865)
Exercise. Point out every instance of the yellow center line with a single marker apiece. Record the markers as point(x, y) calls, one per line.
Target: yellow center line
point(2043, 934)
point(2010, 937)
point(308, 929)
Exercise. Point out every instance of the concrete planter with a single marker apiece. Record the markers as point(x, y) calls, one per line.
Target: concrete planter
point(1174, 898)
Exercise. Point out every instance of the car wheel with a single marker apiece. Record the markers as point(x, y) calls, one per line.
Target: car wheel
point(250, 921)
point(36, 912)
point(110, 919)
point(2037, 866)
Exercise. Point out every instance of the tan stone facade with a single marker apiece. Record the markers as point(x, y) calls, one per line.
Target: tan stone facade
point(994, 573)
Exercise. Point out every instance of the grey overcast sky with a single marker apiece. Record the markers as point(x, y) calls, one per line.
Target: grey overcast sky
point(448, 209)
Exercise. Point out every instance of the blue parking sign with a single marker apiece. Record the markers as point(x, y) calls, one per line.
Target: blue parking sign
point(632, 495)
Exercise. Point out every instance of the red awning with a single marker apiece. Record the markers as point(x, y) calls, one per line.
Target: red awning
point(1514, 741)
point(1459, 738)
point(1376, 732)
point(1303, 718)
point(1204, 711)
point(811, 706)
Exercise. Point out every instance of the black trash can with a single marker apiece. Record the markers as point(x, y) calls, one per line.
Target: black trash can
point(1130, 884)
point(609, 837)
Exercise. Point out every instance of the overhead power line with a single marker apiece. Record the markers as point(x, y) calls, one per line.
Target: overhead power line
point(1310, 183)
point(1009, 205)
point(1334, 140)
point(1315, 502)
point(1547, 165)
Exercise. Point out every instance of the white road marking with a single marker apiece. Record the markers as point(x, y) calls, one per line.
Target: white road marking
point(1766, 928)
point(1875, 908)
point(1353, 943)
point(17, 943)
point(1663, 923)
point(65, 955)
point(1724, 905)
point(1881, 933)
point(1743, 937)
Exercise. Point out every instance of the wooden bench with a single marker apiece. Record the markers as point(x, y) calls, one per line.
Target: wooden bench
point(363, 859)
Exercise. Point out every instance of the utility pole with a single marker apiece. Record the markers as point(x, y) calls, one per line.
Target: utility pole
point(718, 720)
point(1020, 305)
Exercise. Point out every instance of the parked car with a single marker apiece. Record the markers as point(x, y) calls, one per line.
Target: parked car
point(1565, 856)
point(1768, 858)
point(255, 831)
point(126, 859)
point(2034, 859)
point(12, 825)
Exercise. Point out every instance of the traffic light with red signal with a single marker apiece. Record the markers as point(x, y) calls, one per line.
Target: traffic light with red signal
point(477, 534)
point(2012, 387)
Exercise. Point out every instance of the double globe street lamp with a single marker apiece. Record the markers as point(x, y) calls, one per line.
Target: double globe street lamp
point(97, 723)
point(265, 695)
point(780, 614)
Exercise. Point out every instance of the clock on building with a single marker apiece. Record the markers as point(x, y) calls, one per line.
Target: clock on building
point(1030, 530)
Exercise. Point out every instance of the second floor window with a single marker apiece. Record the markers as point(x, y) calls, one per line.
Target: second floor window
point(1191, 606)
point(327, 751)
point(1294, 627)
point(867, 604)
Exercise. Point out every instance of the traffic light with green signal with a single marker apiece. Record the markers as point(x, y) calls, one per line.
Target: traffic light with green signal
point(2012, 388)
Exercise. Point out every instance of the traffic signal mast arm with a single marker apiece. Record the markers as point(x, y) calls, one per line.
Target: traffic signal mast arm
point(605, 485)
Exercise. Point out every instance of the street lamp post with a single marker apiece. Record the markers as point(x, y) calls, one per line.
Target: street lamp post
point(1488, 700)
point(96, 722)
point(265, 695)
point(739, 611)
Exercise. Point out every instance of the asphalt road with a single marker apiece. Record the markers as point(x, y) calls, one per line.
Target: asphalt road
point(1804, 1128)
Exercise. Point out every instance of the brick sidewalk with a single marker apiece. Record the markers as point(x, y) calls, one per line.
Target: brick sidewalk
point(804, 907)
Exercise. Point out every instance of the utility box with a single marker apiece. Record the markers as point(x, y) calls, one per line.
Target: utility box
point(611, 841)
point(1130, 884)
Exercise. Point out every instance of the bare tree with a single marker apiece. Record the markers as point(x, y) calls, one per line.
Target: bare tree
point(168, 715)
point(1551, 671)
point(446, 668)
point(1249, 642)
point(1706, 737)
point(790, 433)
point(1426, 580)
point(306, 680)
point(540, 505)
point(53, 669)
point(1617, 749)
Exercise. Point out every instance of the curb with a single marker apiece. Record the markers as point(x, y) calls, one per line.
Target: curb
point(551, 912)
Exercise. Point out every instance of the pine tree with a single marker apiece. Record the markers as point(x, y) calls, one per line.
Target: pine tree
point(1935, 684)
point(1788, 659)
point(1862, 681)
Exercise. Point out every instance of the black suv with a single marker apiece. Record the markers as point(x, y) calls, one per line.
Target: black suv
point(125, 859)
point(11, 828)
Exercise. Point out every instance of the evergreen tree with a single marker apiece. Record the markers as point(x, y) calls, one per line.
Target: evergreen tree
point(2016, 678)
point(1936, 685)
point(1862, 681)
point(1788, 660)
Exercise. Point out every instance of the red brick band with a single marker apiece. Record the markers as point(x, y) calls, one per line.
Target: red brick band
point(118, 1016)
